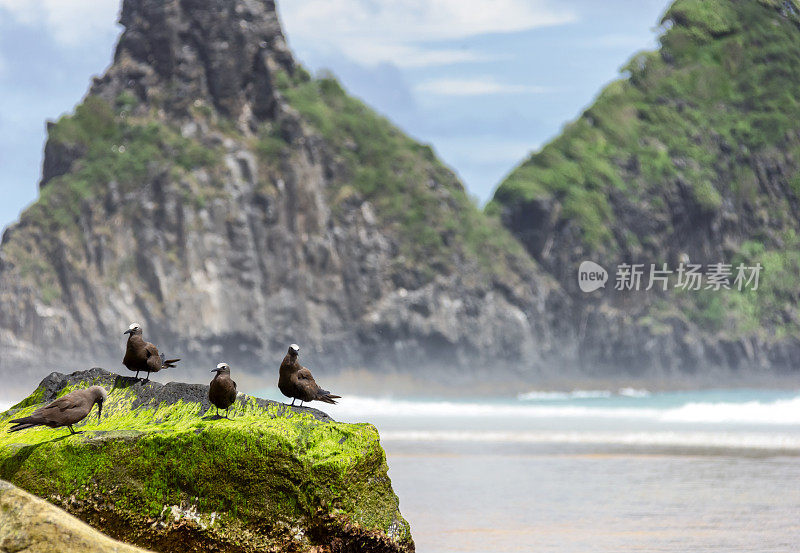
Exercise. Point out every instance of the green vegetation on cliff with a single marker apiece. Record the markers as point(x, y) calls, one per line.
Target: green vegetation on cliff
point(272, 476)
point(405, 181)
point(104, 148)
point(725, 78)
point(695, 150)
point(115, 149)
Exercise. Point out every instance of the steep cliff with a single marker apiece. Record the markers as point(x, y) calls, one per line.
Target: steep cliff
point(212, 190)
point(693, 155)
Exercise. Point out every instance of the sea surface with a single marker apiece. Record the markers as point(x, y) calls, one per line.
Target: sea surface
point(594, 470)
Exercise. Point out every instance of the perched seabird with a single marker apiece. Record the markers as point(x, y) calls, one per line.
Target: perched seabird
point(143, 356)
point(65, 411)
point(222, 391)
point(295, 381)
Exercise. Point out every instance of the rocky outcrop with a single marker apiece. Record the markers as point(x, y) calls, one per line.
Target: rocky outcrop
point(31, 525)
point(160, 470)
point(210, 189)
point(693, 156)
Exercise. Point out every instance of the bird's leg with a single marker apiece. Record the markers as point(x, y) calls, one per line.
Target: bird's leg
point(148, 377)
point(293, 400)
point(137, 375)
point(301, 403)
point(71, 430)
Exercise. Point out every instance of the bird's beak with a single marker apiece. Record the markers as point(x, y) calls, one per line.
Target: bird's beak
point(214, 370)
point(128, 331)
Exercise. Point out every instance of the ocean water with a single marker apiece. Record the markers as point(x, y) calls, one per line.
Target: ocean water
point(594, 470)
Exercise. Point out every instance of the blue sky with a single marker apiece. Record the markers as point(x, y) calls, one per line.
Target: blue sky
point(485, 83)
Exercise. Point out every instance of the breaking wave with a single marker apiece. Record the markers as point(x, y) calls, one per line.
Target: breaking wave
point(778, 412)
point(537, 395)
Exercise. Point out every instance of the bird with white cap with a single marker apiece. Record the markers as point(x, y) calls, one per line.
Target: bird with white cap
point(295, 381)
point(222, 391)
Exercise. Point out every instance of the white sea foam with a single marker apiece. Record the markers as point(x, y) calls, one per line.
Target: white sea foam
point(783, 411)
point(560, 396)
point(779, 412)
point(539, 395)
point(738, 440)
point(405, 408)
point(633, 392)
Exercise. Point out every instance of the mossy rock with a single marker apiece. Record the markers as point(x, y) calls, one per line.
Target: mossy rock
point(161, 470)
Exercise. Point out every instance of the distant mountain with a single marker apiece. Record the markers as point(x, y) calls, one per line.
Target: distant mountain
point(212, 190)
point(209, 188)
point(692, 156)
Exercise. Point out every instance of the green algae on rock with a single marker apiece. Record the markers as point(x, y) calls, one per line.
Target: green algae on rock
point(161, 472)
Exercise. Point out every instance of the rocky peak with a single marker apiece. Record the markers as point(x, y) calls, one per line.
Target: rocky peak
point(213, 190)
point(176, 54)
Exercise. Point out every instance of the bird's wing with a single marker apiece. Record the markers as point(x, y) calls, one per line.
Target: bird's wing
point(62, 404)
point(153, 359)
point(305, 374)
point(61, 409)
point(306, 382)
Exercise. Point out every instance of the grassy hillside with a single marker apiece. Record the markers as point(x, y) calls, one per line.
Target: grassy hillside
point(695, 150)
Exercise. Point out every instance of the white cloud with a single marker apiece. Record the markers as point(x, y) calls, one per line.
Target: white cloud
point(370, 52)
point(475, 87)
point(70, 21)
point(399, 31)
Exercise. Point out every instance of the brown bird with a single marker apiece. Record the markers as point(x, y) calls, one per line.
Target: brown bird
point(295, 381)
point(222, 391)
point(65, 411)
point(143, 356)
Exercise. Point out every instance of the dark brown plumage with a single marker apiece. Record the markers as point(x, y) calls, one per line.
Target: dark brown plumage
point(295, 381)
point(64, 411)
point(222, 391)
point(143, 356)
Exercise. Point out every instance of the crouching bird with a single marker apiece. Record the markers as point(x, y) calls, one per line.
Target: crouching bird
point(64, 411)
point(222, 391)
point(295, 381)
point(143, 356)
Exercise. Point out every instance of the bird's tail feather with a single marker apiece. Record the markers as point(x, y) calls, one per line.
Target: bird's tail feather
point(168, 363)
point(327, 397)
point(23, 423)
point(18, 427)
